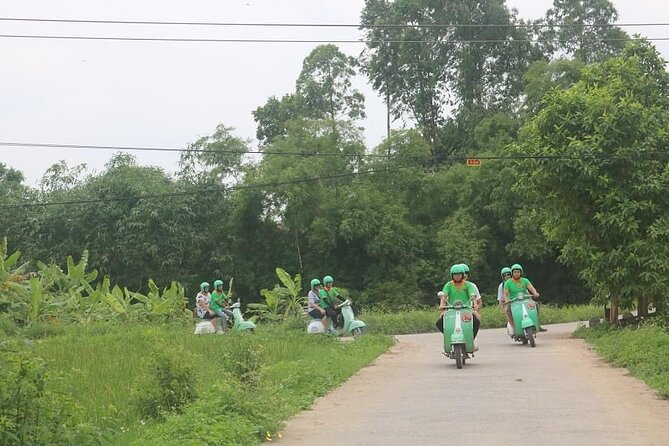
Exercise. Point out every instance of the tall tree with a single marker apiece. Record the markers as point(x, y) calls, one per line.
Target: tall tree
point(605, 206)
point(430, 57)
point(582, 29)
point(324, 87)
point(323, 90)
point(13, 192)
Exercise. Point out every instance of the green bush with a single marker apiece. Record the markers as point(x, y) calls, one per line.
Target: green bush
point(169, 386)
point(291, 372)
point(210, 421)
point(246, 360)
point(31, 413)
point(7, 325)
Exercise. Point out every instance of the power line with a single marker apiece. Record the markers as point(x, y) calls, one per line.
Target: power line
point(203, 191)
point(191, 150)
point(317, 41)
point(650, 156)
point(332, 25)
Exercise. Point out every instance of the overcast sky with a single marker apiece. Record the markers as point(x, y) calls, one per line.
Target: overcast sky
point(168, 94)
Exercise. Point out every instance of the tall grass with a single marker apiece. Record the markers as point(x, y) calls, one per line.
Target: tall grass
point(104, 365)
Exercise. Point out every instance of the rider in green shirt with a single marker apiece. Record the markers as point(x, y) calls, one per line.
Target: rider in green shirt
point(328, 294)
point(219, 304)
point(458, 289)
point(517, 284)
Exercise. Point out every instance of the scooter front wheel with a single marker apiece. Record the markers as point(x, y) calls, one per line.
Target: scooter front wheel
point(459, 357)
point(356, 332)
point(529, 335)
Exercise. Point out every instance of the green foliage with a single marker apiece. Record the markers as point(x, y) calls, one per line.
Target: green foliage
point(324, 85)
point(582, 29)
point(607, 217)
point(426, 80)
point(643, 351)
point(31, 411)
point(246, 361)
point(283, 301)
point(238, 414)
point(307, 202)
point(169, 385)
point(323, 91)
point(236, 377)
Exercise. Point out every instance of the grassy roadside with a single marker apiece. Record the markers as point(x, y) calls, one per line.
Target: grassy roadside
point(423, 321)
point(643, 351)
point(246, 384)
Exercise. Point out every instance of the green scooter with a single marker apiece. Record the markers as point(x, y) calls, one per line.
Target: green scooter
point(351, 324)
point(525, 319)
point(240, 324)
point(459, 332)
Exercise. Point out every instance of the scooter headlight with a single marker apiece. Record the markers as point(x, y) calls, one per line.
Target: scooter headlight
point(458, 330)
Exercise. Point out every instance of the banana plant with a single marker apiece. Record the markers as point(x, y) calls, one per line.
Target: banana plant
point(271, 309)
point(8, 273)
point(171, 303)
point(293, 302)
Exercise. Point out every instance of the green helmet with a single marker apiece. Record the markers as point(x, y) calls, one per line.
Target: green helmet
point(204, 285)
point(516, 266)
point(506, 270)
point(315, 283)
point(466, 267)
point(457, 269)
point(218, 283)
point(327, 279)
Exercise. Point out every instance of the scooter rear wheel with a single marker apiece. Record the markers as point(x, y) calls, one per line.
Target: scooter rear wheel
point(459, 357)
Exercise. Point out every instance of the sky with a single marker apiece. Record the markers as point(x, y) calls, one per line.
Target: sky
point(160, 94)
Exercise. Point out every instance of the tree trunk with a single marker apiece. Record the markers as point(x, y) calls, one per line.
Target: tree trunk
point(614, 311)
point(642, 307)
point(299, 252)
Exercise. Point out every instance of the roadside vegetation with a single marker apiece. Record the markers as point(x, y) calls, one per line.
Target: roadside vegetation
point(160, 384)
point(643, 350)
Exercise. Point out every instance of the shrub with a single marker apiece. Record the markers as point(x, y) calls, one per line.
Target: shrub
point(169, 387)
point(7, 325)
point(246, 360)
point(30, 412)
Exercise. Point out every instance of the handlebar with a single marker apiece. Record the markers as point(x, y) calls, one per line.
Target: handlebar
point(520, 296)
point(457, 306)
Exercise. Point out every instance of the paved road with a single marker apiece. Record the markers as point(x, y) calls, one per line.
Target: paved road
point(559, 393)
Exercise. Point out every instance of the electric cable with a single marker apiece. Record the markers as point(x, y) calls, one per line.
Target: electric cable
point(333, 25)
point(318, 41)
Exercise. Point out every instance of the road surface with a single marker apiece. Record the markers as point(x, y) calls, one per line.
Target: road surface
point(559, 393)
